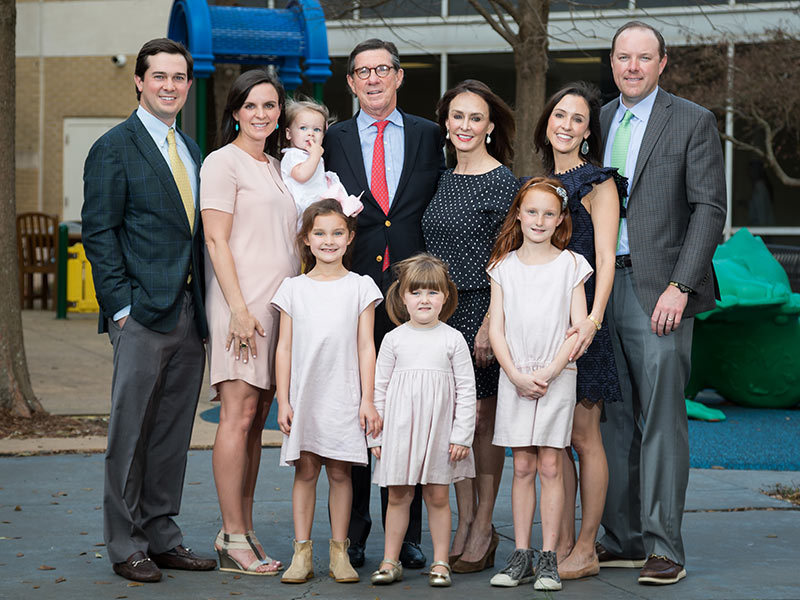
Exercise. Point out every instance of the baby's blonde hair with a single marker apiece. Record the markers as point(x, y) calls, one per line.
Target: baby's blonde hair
point(420, 272)
point(295, 107)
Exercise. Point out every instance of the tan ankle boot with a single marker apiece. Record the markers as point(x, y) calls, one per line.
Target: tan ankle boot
point(302, 567)
point(340, 568)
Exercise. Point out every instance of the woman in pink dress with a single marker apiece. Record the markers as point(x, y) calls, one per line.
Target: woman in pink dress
point(249, 221)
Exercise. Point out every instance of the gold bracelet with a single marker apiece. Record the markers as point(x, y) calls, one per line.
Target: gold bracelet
point(598, 325)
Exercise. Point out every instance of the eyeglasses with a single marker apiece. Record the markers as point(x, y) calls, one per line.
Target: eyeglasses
point(380, 71)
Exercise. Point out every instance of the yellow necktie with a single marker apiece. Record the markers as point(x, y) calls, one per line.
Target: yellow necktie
point(181, 177)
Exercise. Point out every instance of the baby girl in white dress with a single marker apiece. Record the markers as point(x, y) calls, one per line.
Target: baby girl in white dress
point(303, 167)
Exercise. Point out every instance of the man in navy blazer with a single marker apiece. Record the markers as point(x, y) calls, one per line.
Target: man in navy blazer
point(143, 237)
point(413, 161)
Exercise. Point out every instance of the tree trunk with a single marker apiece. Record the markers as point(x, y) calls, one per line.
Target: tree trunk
point(16, 393)
point(530, 59)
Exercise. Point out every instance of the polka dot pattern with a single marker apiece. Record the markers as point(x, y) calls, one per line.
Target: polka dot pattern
point(460, 226)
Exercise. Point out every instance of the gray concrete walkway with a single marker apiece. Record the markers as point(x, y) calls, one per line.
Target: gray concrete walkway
point(741, 544)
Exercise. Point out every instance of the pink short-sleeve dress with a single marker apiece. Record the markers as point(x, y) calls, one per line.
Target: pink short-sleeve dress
point(536, 309)
point(262, 242)
point(325, 381)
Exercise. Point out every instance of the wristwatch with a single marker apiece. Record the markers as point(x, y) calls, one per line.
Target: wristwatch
point(683, 288)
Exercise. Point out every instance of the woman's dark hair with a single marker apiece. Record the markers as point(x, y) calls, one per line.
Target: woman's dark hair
point(236, 99)
point(320, 208)
point(510, 236)
point(502, 145)
point(591, 95)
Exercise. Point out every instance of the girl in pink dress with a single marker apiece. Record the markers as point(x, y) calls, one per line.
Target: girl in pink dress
point(425, 393)
point(325, 371)
point(537, 291)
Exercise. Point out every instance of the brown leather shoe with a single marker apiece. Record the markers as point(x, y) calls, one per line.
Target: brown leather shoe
point(607, 559)
point(659, 570)
point(183, 558)
point(138, 567)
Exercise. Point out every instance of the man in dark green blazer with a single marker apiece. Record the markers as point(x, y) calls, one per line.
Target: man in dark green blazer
point(143, 237)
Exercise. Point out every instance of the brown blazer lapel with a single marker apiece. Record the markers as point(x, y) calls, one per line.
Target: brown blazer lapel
point(659, 117)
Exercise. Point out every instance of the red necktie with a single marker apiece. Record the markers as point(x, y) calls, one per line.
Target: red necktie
point(378, 186)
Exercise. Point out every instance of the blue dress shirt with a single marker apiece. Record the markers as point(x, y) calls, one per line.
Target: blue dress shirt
point(393, 146)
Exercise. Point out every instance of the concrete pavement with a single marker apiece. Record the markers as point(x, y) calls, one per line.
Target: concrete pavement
point(740, 543)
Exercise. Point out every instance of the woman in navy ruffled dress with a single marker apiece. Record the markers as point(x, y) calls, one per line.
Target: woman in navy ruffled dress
point(568, 138)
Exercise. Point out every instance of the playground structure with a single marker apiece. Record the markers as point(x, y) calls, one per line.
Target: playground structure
point(748, 347)
point(293, 39)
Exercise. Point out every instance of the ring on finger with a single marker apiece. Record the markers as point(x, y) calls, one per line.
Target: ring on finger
point(242, 345)
point(670, 319)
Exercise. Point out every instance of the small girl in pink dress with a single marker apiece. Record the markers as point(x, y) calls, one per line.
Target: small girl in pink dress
point(425, 392)
point(325, 372)
point(302, 166)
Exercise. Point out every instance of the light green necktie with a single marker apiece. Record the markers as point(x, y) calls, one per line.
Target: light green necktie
point(619, 150)
point(619, 155)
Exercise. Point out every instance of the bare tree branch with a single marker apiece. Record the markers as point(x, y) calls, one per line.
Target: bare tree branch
point(501, 31)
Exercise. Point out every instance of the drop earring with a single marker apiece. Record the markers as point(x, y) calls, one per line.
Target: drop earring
point(277, 126)
point(236, 126)
point(585, 148)
point(447, 134)
point(488, 138)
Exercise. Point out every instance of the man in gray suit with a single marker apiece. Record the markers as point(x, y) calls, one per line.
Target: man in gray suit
point(669, 149)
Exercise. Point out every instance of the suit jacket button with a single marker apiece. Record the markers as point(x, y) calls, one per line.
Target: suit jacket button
point(379, 258)
point(388, 223)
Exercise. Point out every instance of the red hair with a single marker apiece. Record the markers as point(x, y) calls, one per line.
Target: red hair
point(510, 236)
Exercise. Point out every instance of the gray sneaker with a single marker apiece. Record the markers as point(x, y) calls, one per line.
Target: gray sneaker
point(547, 579)
point(518, 569)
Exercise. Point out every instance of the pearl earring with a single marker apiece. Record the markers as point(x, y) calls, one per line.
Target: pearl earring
point(447, 134)
point(488, 138)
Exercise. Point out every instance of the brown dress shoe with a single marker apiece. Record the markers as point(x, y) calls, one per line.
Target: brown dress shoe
point(659, 570)
point(181, 557)
point(607, 559)
point(138, 567)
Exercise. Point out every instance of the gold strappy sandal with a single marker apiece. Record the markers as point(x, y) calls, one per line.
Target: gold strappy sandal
point(237, 541)
point(265, 558)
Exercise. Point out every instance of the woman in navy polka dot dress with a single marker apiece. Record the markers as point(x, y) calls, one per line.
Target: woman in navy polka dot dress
point(460, 226)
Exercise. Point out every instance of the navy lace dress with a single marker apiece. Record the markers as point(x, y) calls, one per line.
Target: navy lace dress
point(597, 370)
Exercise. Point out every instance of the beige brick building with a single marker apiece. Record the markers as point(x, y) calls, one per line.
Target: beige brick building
point(66, 80)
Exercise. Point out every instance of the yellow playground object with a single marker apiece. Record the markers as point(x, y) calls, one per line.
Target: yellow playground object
point(80, 286)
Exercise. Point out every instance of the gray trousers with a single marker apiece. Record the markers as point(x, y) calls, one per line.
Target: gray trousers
point(646, 436)
point(154, 393)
